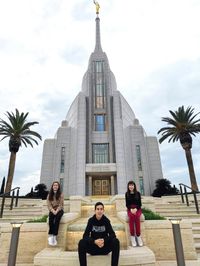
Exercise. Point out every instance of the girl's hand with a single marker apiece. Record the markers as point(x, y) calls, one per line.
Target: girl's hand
point(133, 211)
point(54, 212)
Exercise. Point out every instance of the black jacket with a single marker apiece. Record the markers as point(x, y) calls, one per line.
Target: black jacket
point(133, 199)
point(96, 229)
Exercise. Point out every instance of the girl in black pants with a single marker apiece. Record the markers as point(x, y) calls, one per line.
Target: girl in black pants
point(55, 203)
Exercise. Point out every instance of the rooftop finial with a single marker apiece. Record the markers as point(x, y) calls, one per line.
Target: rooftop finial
point(97, 6)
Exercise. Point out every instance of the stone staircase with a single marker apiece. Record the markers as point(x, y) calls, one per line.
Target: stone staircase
point(77, 212)
point(171, 206)
point(27, 209)
point(196, 235)
point(68, 255)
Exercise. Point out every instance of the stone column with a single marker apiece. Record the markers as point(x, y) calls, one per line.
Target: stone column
point(112, 183)
point(89, 185)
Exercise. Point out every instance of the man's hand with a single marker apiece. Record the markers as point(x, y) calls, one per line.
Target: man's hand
point(99, 242)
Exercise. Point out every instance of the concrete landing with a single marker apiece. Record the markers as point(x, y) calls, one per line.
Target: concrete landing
point(139, 256)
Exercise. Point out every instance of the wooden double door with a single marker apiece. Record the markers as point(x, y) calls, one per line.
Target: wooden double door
point(101, 186)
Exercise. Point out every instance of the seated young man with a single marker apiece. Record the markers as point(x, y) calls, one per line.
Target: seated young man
point(98, 238)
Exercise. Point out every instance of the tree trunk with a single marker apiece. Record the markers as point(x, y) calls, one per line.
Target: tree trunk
point(11, 170)
point(191, 169)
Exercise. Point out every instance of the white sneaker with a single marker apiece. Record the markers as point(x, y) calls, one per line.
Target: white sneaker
point(133, 242)
point(50, 240)
point(54, 240)
point(139, 240)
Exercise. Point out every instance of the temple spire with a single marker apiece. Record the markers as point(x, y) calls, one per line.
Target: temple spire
point(98, 35)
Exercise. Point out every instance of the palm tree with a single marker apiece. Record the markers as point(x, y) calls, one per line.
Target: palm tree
point(182, 126)
point(17, 129)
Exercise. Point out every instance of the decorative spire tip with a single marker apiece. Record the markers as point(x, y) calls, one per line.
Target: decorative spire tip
point(97, 6)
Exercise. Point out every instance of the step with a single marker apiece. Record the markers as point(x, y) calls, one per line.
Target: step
point(131, 257)
point(8, 219)
point(196, 238)
point(179, 214)
point(18, 264)
point(24, 202)
point(174, 206)
point(196, 222)
point(181, 210)
point(195, 230)
point(25, 208)
point(197, 247)
point(22, 213)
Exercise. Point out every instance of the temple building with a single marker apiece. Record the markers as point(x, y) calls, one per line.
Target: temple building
point(100, 145)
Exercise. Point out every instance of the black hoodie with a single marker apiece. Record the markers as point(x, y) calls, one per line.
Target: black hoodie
point(96, 229)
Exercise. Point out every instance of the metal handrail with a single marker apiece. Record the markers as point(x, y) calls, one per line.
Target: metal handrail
point(12, 199)
point(194, 192)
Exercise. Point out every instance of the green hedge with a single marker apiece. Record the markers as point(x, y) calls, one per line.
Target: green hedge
point(42, 219)
point(150, 215)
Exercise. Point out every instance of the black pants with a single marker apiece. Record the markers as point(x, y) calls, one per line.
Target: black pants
point(54, 221)
point(112, 246)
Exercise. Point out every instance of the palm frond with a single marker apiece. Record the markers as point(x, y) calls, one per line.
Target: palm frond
point(182, 121)
point(18, 128)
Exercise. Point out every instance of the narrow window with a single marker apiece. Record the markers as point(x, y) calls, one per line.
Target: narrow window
point(99, 90)
point(99, 66)
point(138, 155)
point(100, 122)
point(61, 184)
point(62, 161)
point(141, 184)
point(99, 96)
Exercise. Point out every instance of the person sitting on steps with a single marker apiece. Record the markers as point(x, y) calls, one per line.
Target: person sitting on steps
point(55, 203)
point(99, 238)
point(134, 211)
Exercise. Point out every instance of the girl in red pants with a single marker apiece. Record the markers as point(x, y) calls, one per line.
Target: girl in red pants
point(133, 205)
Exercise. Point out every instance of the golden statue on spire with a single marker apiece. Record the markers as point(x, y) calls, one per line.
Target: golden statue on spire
point(97, 6)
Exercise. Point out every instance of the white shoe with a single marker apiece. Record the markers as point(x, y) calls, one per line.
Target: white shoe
point(139, 240)
point(50, 240)
point(54, 240)
point(133, 242)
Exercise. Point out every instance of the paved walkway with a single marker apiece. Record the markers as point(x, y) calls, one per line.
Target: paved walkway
point(174, 263)
point(158, 263)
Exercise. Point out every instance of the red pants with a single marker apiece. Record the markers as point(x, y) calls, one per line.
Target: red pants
point(134, 222)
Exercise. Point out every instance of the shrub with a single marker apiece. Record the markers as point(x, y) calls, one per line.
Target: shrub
point(150, 215)
point(164, 187)
point(42, 219)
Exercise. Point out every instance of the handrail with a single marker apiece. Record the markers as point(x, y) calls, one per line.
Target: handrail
point(12, 199)
point(181, 184)
point(194, 192)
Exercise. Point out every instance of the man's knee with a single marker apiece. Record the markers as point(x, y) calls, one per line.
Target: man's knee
point(82, 244)
point(115, 243)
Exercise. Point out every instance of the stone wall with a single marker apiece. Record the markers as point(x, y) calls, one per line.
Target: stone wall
point(32, 239)
point(159, 238)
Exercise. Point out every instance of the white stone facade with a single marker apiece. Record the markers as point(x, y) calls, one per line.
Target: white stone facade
point(100, 145)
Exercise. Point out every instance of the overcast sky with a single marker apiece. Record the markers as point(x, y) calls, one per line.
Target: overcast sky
point(153, 47)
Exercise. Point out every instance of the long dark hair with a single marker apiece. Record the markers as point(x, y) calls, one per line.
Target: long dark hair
point(135, 187)
point(51, 192)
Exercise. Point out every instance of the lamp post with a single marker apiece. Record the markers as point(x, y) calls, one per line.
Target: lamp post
point(14, 243)
point(178, 241)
